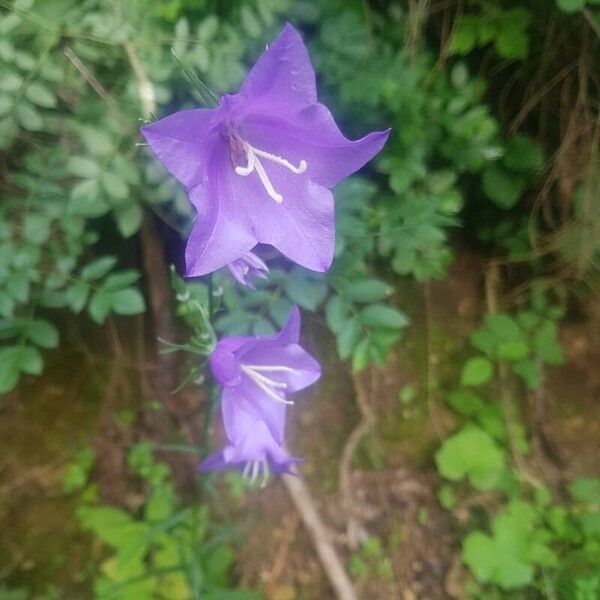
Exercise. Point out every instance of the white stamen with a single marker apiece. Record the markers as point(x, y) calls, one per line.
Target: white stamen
point(252, 472)
point(266, 384)
point(254, 164)
point(266, 473)
point(272, 368)
point(270, 382)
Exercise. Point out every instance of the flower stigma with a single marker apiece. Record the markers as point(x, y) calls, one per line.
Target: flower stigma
point(253, 156)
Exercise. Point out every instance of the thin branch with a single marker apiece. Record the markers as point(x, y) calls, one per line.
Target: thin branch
point(86, 73)
point(591, 20)
point(332, 565)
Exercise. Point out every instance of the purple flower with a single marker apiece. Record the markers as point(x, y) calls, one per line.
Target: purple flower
point(258, 372)
point(246, 267)
point(254, 450)
point(260, 166)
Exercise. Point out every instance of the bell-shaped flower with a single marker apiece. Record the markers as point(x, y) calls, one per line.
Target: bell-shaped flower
point(260, 166)
point(246, 267)
point(252, 449)
point(258, 372)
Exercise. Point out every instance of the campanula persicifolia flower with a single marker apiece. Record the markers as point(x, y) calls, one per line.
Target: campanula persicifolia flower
point(252, 449)
point(260, 166)
point(258, 372)
point(246, 267)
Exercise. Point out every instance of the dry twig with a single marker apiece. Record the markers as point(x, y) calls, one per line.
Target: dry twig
point(332, 565)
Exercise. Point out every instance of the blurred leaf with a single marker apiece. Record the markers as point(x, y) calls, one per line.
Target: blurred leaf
point(83, 167)
point(43, 334)
point(476, 371)
point(128, 302)
point(380, 315)
point(366, 290)
point(99, 267)
point(502, 187)
point(29, 117)
point(522, 154)
point(471, 453)
point(40, 94)
point(129, 219)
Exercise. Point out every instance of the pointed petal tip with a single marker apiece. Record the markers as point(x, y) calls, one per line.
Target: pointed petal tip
point(290, 333)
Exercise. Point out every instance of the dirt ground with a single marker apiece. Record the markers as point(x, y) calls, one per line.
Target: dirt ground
point(387, 491)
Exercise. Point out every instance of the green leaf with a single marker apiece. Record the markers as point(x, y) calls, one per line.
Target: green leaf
point(348, 337)
point(10, 81)
point(249, 21)
point(522, 154)
point(99, 306)
point(29, 117)
point(302, 289)
point(361, 356)
point(503, 187)
point(96, 140)
point(83, 167)
point(518, 542)
point(474, 454)
point(586, 489)
point(570, 6)
point(380, 315)
point(6, 104)
point(9, 369)
point(116, 281)
point(36, 228)
point(129, 219)
point(128, 302)
point(547, 345)
point(41, 95)
point(30, 360)
point(464, 38)
point(8, 131)
point(366, 290)
point(43, 333)
point(446, 497)
point(84, 199)
point(512, 350)
point(114, 186)
point(99, 267)
point(337, 313)
point(77, 295)
point(528, 370)
point(476, 371)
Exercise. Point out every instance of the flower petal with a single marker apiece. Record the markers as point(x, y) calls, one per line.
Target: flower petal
point(180, 142)
point(213, 462)
point(303, 371)
point(219, 235)
point(283, 77)
point(237, 213)
point(290, 332)
point(312, 135)
point(245, 404)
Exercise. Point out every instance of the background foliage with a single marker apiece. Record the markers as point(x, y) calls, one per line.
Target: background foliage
point(479, 156)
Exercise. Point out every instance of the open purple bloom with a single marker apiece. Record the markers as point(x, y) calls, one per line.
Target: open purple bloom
point(255, 451)
point(260, 166)
point(246, 267)
point(258, 372)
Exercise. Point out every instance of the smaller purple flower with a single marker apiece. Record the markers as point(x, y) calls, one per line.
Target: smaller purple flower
point(246, 267)
point(258, 372)
point(256, 453)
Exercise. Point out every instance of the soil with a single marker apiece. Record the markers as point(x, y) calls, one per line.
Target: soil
point(392, 477)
